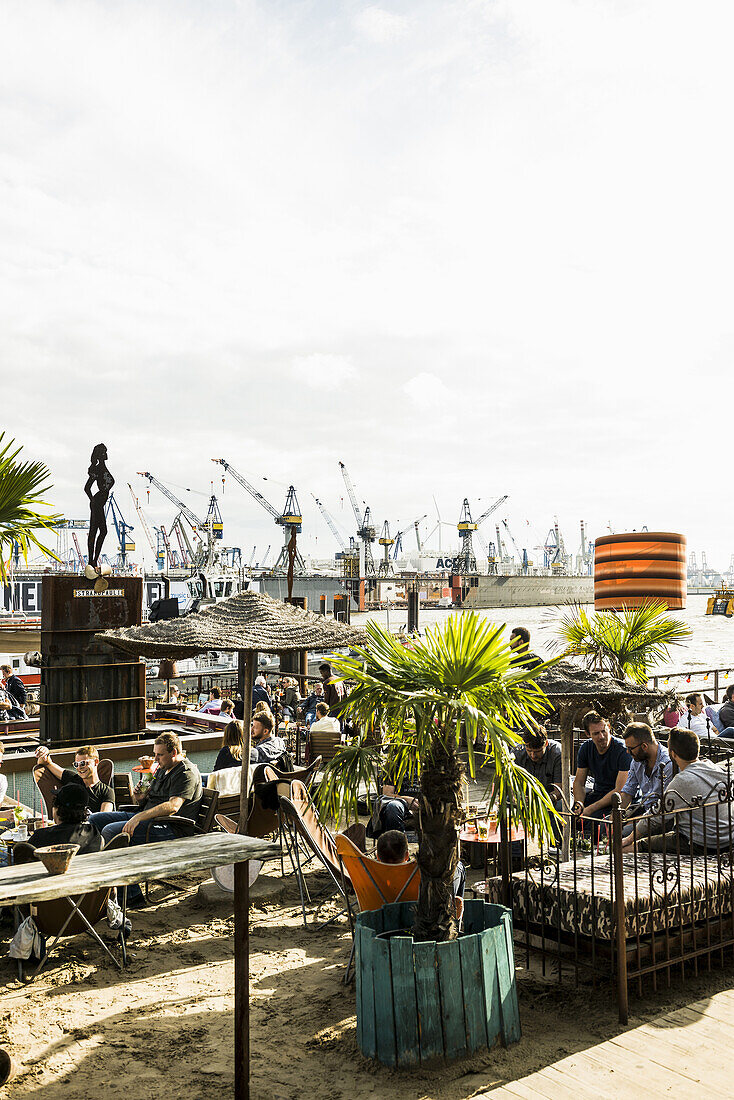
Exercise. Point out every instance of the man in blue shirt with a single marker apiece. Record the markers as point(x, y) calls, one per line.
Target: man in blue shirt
point(606, 760)
point(650, 771)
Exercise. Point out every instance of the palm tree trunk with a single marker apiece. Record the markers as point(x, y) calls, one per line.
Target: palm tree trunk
point(441, 778)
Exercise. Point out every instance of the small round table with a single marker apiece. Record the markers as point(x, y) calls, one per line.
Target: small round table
point(487, 844)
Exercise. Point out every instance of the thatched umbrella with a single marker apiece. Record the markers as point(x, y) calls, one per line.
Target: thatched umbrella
point(574, 690)
point(248, 624)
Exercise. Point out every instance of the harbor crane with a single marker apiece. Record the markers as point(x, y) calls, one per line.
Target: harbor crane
point(385, 568)
point(399, 537)
point(555, 551)
point(289, 519)
point(522, 554)
point(212, 524)
point(154, 544)
point(366, 530)
point(585, 556)
point(347, 555)
point(125, 543)
point(466, 560)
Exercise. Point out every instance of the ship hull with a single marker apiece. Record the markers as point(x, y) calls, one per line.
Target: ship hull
point(519, 591)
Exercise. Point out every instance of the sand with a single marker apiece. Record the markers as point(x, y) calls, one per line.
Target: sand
point(165, 1028)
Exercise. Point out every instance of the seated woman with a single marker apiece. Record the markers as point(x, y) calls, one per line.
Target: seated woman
point(230, 754)
point(70, 812)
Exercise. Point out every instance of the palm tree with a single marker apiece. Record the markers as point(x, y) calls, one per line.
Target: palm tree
point(461, 680)
point(628, 644)
point(22, 485)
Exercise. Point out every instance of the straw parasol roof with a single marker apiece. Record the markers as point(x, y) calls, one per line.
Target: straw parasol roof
point(566, 683)
point(248, 621)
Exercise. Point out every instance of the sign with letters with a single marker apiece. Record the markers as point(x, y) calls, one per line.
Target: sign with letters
point(90, 592)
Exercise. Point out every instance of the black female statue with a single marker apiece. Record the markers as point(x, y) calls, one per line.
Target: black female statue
point(97, 523)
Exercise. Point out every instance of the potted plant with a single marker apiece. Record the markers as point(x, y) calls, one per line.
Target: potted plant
point(461, 683)
point(627, 644)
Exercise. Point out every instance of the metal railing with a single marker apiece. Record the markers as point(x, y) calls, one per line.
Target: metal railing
point(706, 680)
point(625, 913)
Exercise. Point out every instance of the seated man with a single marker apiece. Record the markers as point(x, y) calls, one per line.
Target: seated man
point(308, 705)
point(84, 773)
point(70, 822)
point(213, 704)
point(541, 757)
point(726, 713)
point(324, 723)
point(606, 760)
point(695, 719)
point(266, 749)
point(650, 772)
point(174, 789)
point(394, 809)
point(520, 643)
point(392, 847)
point(10, 709)
point(697, 831)
point(227, 709)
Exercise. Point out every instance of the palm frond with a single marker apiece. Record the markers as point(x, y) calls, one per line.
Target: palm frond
point(23, 510)
point(461, 681)
point(627, 644)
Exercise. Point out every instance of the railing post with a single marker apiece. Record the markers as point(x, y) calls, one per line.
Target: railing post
point(619, 912)
point(716, 685)
point(505, 859)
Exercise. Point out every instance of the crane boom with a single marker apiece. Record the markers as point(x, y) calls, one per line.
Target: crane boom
point(250, 488)
point(352, 495)
point(332, 526)
point(193, 519)
point(141, 517)
point(491, 509)
point(188, 554)
point(513, 540)
point(399, 537)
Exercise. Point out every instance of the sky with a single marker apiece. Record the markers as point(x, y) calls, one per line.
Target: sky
point(468, 248)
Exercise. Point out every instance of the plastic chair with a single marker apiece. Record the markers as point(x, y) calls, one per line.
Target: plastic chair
point(54, 918)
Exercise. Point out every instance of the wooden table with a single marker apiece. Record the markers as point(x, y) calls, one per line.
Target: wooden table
point(29, 883)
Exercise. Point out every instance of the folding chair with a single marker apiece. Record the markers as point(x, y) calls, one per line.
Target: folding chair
point(376, 884)
point(72, 916)
point(303, 827)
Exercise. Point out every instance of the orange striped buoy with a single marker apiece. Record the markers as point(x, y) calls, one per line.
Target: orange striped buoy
point(634, 568)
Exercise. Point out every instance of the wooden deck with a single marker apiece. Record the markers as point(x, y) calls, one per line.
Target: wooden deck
point(681, 1054)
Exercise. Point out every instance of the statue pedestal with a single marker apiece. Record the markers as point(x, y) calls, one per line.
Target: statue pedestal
point(89, 691)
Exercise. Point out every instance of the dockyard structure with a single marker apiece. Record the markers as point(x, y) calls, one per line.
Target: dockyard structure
point(290, 519)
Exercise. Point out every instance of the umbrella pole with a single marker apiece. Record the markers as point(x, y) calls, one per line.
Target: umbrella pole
point(245, 683)
point(566, 758)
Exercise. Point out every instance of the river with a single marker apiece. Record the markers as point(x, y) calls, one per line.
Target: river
point(711, 644)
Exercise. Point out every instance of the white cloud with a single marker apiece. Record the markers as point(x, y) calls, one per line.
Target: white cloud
point(381, 26)
point(428, 391)
point(322, 371)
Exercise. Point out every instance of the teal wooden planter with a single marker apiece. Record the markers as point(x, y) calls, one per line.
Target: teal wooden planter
point(417, 1001)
